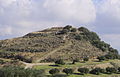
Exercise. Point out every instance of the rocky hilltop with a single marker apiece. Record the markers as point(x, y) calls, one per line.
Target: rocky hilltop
point(66, 43)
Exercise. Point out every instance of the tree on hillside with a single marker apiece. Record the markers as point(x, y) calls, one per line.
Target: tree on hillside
point(2, 61)
point(119, 69)
point(68, 71)
point(60, 61)
point(83, 70)
point(97, 71)
point(68, 27)
point(75, 60)
point(78, 37)
point(111, 70)
point(85, 59)
point(64, 31)
point(101, 58)
point(73, 30)
point(54, 71)
point(111, 55)
point(83, 29)
point(114, 51)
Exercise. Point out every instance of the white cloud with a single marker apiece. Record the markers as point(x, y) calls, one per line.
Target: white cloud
point(107, 19)
point(112, 8)
point(33, 15)
point(6, 31)
point(113, 39)
point(6, 3)
point(82, 11)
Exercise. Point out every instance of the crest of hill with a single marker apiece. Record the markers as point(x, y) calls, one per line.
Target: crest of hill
point(66, 43)
point(52, 30)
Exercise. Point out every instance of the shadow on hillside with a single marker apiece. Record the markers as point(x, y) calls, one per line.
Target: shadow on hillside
point(54, 65)
point(78, 74)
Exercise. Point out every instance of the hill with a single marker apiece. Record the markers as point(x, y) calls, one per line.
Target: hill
point(66, 43)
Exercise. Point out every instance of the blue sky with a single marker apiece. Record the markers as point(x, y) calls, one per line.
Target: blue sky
point(19, 17)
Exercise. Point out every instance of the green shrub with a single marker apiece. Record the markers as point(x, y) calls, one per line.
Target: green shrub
point(101, 45)
point(64, 31)
point(112, 50)
point(119, 69)
point(112, 56)
point(68, 71)
point(78, 37)
point(101, 58)
point(60, 61)
point(75, 60)
point(90, 36)
point(83, 70)
point(54, 71)
point(1, 61)
point(73, 30)
point(86, 59)
point(83, 29)
point(68, 27)
point(111, 70)
point(97, 71)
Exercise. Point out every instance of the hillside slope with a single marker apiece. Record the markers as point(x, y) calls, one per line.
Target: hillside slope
point(66, 43)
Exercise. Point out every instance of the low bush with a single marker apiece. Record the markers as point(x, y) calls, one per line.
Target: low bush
point(54, 71)
point(119, 69)
point(86, 59)
point(97, 71)
point(68, 27)
point(101, 58)
point(75, 60)
point(83, 70)
point(73, 30)
point(68, 71)
point(1, 61)
point(111, 70)
point(60, 61)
